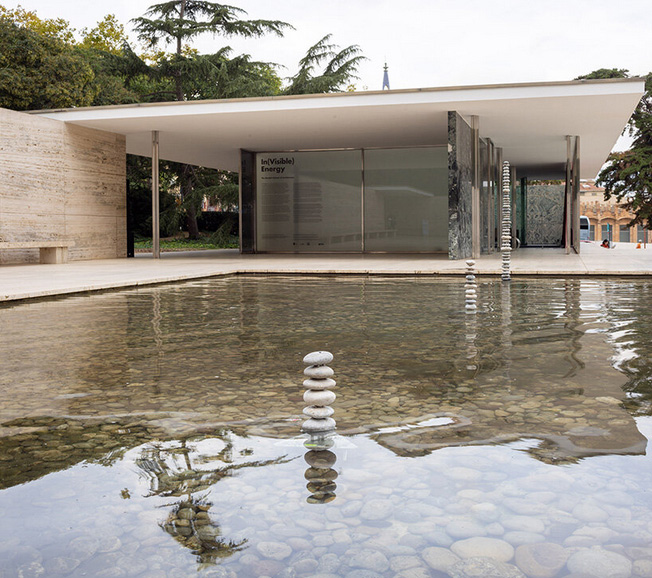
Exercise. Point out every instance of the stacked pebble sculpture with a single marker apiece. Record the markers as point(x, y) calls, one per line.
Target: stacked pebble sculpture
point(470, 288)
point(318, 396)
point(506, 235)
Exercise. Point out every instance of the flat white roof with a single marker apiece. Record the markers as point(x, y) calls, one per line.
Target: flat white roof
point(529, 121)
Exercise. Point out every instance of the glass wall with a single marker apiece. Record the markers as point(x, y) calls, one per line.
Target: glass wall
point(406, 199)
point(313, 200)
point(624, 234)
point(309, 201)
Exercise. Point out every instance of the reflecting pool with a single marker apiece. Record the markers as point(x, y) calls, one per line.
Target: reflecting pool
point(155, 432)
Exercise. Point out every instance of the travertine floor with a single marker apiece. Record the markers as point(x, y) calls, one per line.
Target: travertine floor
point(34, 280)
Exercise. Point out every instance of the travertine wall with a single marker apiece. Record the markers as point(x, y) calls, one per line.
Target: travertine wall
point(61, 182)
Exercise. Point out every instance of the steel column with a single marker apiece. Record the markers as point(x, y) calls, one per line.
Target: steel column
point(156, 236)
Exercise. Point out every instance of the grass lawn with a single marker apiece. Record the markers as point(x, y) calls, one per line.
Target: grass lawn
point(183, 244)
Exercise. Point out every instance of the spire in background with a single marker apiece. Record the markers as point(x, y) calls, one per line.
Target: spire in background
point(385, 78)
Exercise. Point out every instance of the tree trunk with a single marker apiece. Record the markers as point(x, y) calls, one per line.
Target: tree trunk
point(186, 187)
point(191, 223)
point(177, 73)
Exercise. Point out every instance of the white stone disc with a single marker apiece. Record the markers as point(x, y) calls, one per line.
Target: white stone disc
point(319, 383)
point(318, 358)
point(318, 412)
point(317, 425)
point(324, 397)
point(318, 371)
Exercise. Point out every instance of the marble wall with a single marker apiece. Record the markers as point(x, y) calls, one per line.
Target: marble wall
point(460, 180)
point(545, 215)
point(61, 182)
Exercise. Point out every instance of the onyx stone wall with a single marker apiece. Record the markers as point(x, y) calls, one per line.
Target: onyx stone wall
point(544, 224)
point(61, 183)
point(460, 182)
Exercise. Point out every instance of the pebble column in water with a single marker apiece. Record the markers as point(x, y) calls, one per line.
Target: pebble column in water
point(470, 288)
point(319, 397)
point(506, 229)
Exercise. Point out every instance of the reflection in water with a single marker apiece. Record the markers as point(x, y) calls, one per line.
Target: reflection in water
point(150, 447)
point(320, 475)
point(189, 470)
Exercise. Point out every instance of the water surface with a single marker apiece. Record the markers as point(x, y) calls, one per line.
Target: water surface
point(156, 432)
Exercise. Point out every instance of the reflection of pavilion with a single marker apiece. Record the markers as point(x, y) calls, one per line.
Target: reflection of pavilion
point(578, 414)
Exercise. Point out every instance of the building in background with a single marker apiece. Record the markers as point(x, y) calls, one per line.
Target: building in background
point(608, 220)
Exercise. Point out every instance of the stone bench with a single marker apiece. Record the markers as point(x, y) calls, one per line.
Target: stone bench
point(50, 251)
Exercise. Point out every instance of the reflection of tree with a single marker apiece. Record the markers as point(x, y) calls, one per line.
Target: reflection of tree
point(190, 524)
point(183, 469)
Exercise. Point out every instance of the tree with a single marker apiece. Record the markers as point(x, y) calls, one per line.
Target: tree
point(602, 73)
point(108, 36)
point(42, 65)
point(38, 71)
point(340, 68)
point(627, 177)
point(49, 27)
point(192, 75)
point(180, 21)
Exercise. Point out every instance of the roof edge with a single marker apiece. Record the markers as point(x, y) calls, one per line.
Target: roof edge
point(632, 79)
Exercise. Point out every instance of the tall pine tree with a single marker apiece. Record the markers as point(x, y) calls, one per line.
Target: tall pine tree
point(178, 22)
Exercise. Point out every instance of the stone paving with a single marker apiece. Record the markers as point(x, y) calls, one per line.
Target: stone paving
point(36, 281)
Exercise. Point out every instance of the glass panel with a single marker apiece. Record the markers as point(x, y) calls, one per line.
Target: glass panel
point(309, 201)
point(592, 232)
point(624, 234)
point(606, 232)
point(406, 199)
point(640, 233)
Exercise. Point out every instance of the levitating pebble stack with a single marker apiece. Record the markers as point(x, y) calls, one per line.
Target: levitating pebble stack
point(470, 288)
point(319, 397)
point(506, 235)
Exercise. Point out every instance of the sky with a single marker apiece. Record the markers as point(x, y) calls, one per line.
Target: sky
point(426, 43)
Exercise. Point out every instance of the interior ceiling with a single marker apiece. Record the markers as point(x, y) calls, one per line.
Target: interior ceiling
point(530, 122)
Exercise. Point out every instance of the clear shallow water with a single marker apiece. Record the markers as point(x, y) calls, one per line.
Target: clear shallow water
point(155, 432)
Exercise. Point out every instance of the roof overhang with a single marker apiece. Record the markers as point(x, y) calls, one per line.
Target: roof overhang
point(529, 121)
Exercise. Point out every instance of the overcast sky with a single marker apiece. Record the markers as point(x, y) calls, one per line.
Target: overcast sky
point(429, 43)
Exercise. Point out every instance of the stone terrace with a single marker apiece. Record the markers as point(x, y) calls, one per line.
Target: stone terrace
point(36, 281)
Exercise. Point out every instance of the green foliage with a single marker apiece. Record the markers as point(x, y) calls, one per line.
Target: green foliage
point(50, 28)
point(340, 67)
point(215, 241)
point(108, 36)
point(38, 71)
point(186, 75)
point(139, 198)
point(220, 188)
point(603, 73)
point(628, 175)
point(42, 66)
point(223, 238)
point(180, 21)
